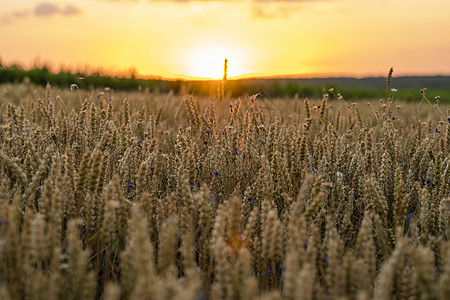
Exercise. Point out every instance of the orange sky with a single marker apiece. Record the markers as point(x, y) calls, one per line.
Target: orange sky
point(183, 38)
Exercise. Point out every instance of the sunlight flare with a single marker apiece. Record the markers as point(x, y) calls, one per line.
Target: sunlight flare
point(207, 62)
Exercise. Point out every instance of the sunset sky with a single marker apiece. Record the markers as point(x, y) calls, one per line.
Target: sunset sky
point(183, 38)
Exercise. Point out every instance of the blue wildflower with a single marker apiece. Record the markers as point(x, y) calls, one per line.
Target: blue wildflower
point(410, 217)
point(429, 182)
point(110, 98)
point(208, 132)
point(235, 151)
point(448, 119)
point(321, 112)
point(245, 174)
point(216, 174)
point(193, 186)
point(250, 199)
point(325, 261)
point(280, 270)
point(98, 96)
point(130, 186)
point(357, 196)
point(197, 169)
point(139, 143)
point(243, 156)
point(437, 130)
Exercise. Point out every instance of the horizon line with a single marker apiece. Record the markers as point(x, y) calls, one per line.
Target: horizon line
point(248, 76)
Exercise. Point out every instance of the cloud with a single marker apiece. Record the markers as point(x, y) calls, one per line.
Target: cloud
point(266, 13)
point(42, 10)
point(8, 18)
point(5, 20)
point(49, 9)
point(46, 10)
point(70, 10)
point(19, 14)
point(271, 9)
point(258, 9)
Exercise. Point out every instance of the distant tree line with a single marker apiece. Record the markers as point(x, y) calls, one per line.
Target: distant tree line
point(350, 88)
point(42, 76)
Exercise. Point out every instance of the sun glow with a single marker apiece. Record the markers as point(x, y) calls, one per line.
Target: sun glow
point(207, 62)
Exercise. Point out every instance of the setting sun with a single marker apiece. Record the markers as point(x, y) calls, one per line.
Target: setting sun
point(207, 62)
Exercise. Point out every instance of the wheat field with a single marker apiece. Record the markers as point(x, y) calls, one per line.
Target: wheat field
point(138, 195)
